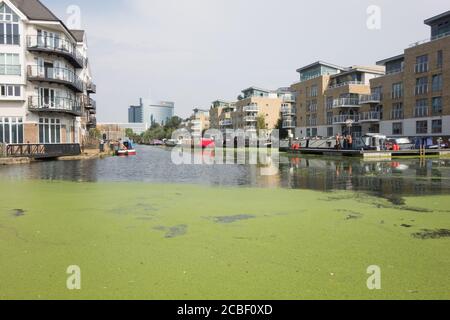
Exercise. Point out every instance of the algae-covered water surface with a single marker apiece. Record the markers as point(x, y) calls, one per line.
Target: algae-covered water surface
point(142, 240)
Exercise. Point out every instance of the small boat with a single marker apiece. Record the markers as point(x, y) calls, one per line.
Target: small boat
point(126, 150)
point(171, 143)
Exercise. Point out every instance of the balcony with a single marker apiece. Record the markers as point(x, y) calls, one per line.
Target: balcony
point(370, 99)
point(346, 103)
point(57, 46)
point(370, 117)
point(251, 109)
point(347, 83)
point(288, 111)
point(59, 104)
point(91, 87)
point(345, 119)
point(289, 98)
point(288, 124)
point(91, 122)
point(250, 119)
point(250, 128)
point(56, 75)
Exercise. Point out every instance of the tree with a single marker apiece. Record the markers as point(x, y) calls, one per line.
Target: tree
point(260, 123)
point(129, 133)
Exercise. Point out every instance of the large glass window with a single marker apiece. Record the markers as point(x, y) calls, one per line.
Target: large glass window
point(9, 26)
point(437, 83)
point(397, 111)
point(436, 126)
point(10, 90)
point(421, 108)
point(422, 127)
point(397, 128)
point(11, 130)
point(397, 90)
point(437, 106)
point(421, 86)
point(9, 64)
point(421, 64)
point(49, 130)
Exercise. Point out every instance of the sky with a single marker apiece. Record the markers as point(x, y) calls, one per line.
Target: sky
point(193, 52)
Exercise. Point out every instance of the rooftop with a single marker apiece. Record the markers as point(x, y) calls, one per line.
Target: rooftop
point(383, 62)
point(321, 63)
point(432, 20)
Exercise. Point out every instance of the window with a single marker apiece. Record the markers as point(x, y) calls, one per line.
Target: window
point(421, 86)
point(421, 64)
point(314, 132)
point(9, 64)
point(421, 108)
point(436, 126)
point(397, 90)
point(49, 130)
point(11, 130)
point(440, 59)
point(397, 111)
point(329, 118)
point(10, 90)
point(397, 129)
point(330, 131)
point(437, 106)
point(422, 127)
point(314, 91)
point(9, 26)
point(436, 83)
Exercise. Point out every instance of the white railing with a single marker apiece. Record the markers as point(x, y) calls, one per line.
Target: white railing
point(288, 110)
point(250, 119)
point(395, 71)
point(346, 102)
point(250, 128)
point(369, 116)
point(347, 83)
point(418, 43)
point(251, 109)
point(372, 98)
point(342, 119)
point(288, 124)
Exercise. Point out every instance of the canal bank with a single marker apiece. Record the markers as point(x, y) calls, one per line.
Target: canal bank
point(170, 241)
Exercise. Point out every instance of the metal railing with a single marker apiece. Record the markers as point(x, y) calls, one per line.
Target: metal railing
point(346, 102)
point(346, 83)
point(418, 43)
point(40, 151)
point(395, 71)
point(288, 124)
point(343, 119)
point(57, 104)
point(369, 116)
point(250, 119)
point(251, 109)
point(57, 46)
point(91, 87)
point(61, 75)
point(10, 69)
point(289, 98)
point(288, 110)
point(372, 98)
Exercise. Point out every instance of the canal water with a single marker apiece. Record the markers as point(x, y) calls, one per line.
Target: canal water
point(389, 179)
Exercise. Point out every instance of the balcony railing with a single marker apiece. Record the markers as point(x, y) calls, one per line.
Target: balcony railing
point(91, 87)
point(344, 119)
point(347, 83)
point(369, 117)
point(250, 119)
point(10, 69)
point(346, 103)
point(288, 124)
point(251, 109)
point(289, 98)
point(418, 43)
point(421, 67)
point(57, 104)
point(58, 75)
point(421, 112)
point(394, 71)
point(368, 99)
point(55, 45)
point(288, 110)
point(250, 128)
point(43, 151)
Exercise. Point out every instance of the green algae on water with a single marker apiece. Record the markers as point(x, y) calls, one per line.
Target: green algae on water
point(144, 241)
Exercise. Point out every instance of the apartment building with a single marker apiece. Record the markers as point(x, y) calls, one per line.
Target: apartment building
point(258, 103)
point(328, 98)
point(413, 98)
point(220, 115)
point(45, 78)
point(199, 122)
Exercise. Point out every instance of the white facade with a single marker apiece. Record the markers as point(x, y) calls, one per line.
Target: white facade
point(48, 65)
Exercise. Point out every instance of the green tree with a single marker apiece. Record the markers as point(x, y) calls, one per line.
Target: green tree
point(260, 123)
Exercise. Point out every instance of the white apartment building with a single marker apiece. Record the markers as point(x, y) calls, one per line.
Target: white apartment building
point(45, 78)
